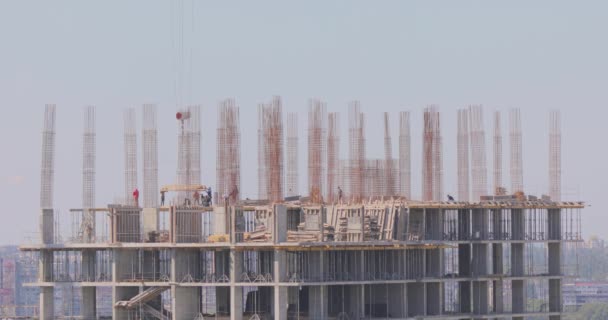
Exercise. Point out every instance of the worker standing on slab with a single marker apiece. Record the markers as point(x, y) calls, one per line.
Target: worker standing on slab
point(136, 197)
point(162, 198)
point(339, 195)
point(209, 196)
point(197, 197)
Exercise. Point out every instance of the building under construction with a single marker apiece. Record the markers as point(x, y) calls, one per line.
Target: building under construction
point(355, 245)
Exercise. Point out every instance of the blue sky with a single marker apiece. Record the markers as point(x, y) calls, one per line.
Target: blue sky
point(390, 55)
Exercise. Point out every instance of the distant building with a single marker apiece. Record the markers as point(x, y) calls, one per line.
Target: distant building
point(579, 293)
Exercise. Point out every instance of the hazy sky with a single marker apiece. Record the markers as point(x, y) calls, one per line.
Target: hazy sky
point(390, 55)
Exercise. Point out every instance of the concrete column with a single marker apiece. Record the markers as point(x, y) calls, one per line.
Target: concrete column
point(480, 297)
point(184, 265)
point(150, 221)
point(47, 234)
point(554, 258)
point(47, 303)
point(555, 295)
point(497, 258)
point(236, 293)
point(554, 222)
point(517, 259)
point(498, 296)
point(416, 296)
point(122, 294)
point(397, 300)
point(220, 225)
point(480, 259)
point(184, 302)
point(317, 302)
point(280, 225)
point(88, 265)
point(45, 266)
point(464, 291)
point(517, 224)
point(280, 293)
point(89, 302)
point(518, 296)
point(433, 298)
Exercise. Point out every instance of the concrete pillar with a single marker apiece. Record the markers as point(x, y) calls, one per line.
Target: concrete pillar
point(280, 293)
point(122, 294)
point(464, 292)
point(518, 296)
point(433, 263)
point(554, 221)
point(554, 258)
point(184, 302)
point(47, 234)
point(497, 259)
point(88, 265)
point(480, 297)
point(517, 259)
point(464, 224)
point(555, 295)
point(184, 265)
point(464, 259)
point(480, 259)
point(280, 225)
point(236, 293)
point(47, 303)
point(150, 221)
point(397, 297)
point(416, 296)
point(220, 225)
point(89, 302)
point(498, 297)
point(433, 299)
point(317, 302)
point(517, 224)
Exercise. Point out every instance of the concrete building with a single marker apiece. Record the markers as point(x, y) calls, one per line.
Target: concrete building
point(355, 256)
point(386, 259)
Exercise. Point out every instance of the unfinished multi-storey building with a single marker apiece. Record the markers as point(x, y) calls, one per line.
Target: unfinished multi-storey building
point(353, 257)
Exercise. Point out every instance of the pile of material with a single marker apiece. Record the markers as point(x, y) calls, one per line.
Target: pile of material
point(303, 235)
point(371, 229)
point(218, 238)
point(259, 235)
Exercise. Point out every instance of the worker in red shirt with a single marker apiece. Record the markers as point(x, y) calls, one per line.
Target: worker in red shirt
point(136, 197)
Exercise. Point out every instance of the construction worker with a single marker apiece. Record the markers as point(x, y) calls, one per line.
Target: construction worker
point(339, 195)
point(209, 196)
point(162, 198)
point(197, 197)
point(136, 197)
